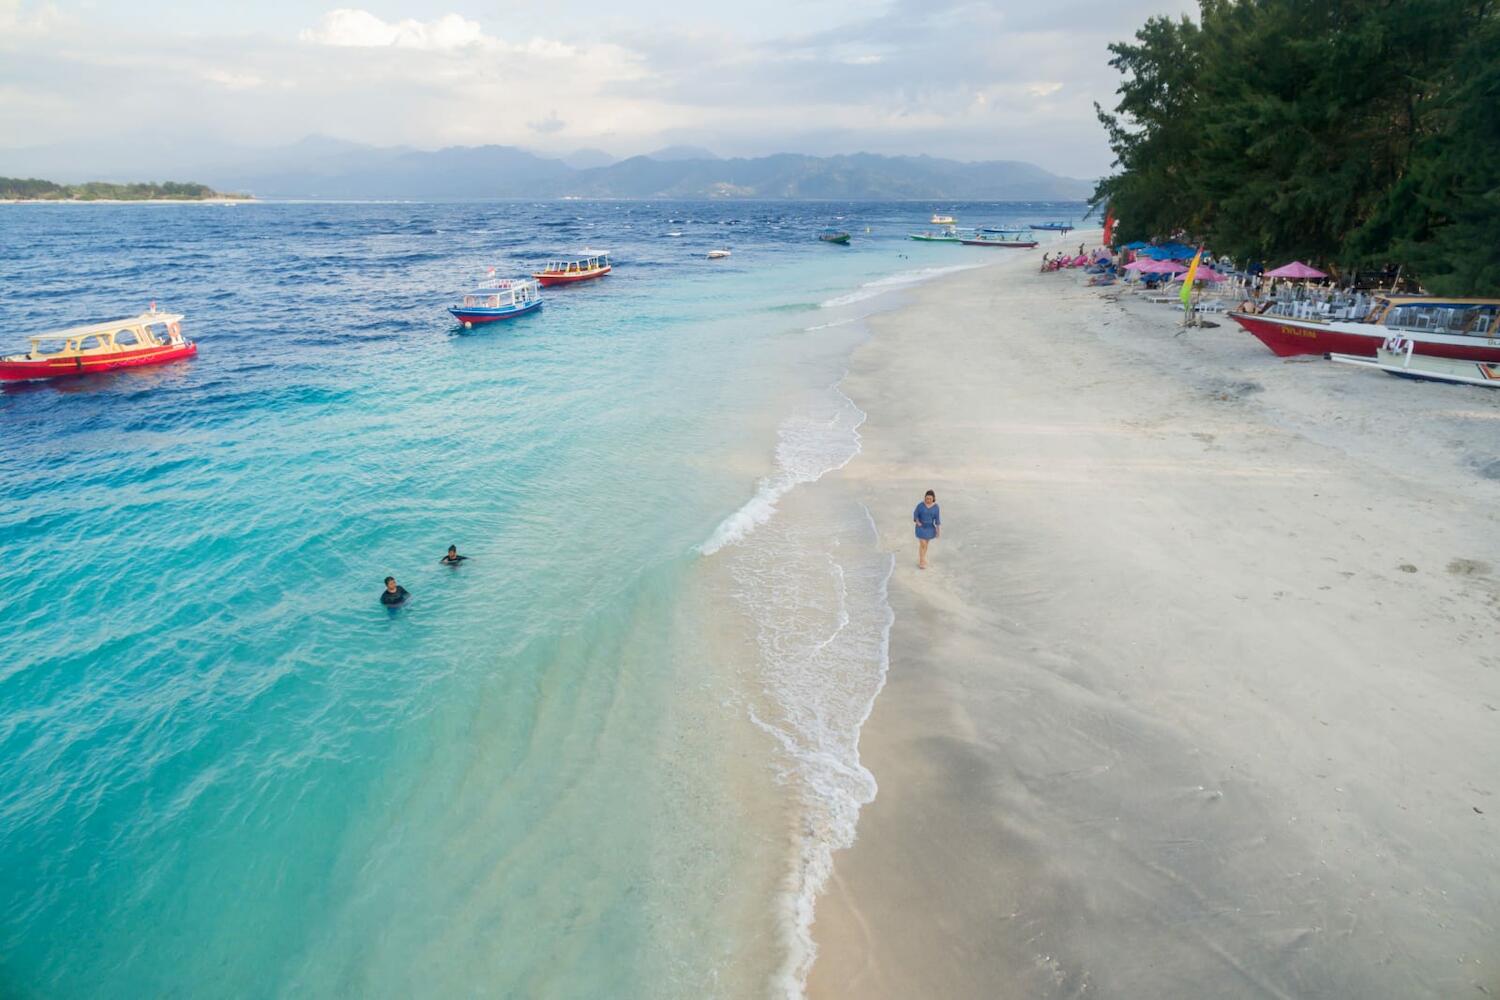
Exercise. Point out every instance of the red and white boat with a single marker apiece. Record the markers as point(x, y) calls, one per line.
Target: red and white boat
point(152, 338)
point(567, 272)
point(1467, 329)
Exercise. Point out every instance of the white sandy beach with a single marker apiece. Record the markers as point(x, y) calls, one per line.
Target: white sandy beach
point(1201, 696)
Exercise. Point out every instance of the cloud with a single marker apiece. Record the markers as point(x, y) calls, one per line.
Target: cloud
point(971, 79)
point(350, 28)
point(233, 81)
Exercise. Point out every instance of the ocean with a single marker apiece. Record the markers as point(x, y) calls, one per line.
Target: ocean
point(610, 754)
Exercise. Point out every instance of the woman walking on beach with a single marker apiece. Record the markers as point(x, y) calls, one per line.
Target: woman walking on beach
point(929, 521)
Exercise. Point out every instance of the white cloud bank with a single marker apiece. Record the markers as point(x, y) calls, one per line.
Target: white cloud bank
point(350, 28)
point(972, 79)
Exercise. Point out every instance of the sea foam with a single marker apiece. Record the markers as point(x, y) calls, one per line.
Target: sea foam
point(812, 581)
point(900, 279)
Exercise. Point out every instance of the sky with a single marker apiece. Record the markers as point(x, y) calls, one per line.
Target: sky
point(966, 79)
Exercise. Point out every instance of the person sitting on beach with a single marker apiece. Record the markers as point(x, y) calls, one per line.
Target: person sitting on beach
point(452, 558)
point(393, 595)
point(928, 519)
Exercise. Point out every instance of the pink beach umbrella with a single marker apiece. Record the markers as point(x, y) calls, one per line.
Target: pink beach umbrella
point(1296, 269)
point(1204, 274)
point(1156, 267)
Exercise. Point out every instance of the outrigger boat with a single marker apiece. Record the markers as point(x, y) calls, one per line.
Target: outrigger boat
point(834, 236)
point(567, 272)
point(949, 235)
point(1398, 356)
point(1467, 329)
point(1053, 227)
point(943, 220)
point(507, 298)
point(152, 338)
point(1018, 238)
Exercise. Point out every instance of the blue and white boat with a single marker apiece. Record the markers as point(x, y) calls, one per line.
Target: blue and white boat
point(506, 298)
point(1054, 227)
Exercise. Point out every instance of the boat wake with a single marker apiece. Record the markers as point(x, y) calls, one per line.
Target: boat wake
point(900, 279)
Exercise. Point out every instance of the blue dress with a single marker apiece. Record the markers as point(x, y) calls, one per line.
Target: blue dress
point(928, 519)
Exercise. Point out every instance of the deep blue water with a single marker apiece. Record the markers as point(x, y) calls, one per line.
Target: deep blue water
point(225, 770)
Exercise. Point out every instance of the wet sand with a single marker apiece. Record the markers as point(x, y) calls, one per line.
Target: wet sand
point(1201, 695)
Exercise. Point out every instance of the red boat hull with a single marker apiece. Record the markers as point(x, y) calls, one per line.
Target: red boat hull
point(569, 277)
point(1288, 338)
point(20, 371)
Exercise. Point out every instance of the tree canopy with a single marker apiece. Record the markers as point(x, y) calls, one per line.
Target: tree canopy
point(17, 188)
point(1348, 133)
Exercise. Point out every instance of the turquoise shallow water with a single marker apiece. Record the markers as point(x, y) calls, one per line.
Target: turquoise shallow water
point(563, 770)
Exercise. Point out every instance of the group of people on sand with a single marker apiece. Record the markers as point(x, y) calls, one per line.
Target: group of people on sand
point(394, 595)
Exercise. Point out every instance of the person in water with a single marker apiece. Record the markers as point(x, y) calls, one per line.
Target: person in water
point(929, 521)
point(394, 594)
point(452, 558)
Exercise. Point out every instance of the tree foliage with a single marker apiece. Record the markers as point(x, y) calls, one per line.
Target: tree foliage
point(16, 188)
point(1342, 132)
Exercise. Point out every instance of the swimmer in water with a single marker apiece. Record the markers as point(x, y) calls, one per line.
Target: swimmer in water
point(452, 558)
point(393, 595)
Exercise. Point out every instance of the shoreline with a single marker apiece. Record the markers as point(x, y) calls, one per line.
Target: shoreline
point(127, 201)
point(1197, 698)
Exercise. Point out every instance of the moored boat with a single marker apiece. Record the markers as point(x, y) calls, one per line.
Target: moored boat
point(506, 298)
point(1017, 238)
point(717, 254)
point(595, 264)
point(1397, 356)
point(1053, 227)
point(152, 338)
point(949, 234)
point(1466, 329)
point(834, 236)
point(943, 220)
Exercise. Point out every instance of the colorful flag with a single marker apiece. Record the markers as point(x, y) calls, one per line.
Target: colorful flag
point(1188, 279)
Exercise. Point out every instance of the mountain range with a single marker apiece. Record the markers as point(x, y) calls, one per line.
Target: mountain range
point(322, 168)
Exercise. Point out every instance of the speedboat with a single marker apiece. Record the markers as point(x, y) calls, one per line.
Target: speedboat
point(152, 338)
point(505, 298)
point(567, 272)
point(717, 254)
point(1397, 356)
point(1467, 329)
point(834, 236)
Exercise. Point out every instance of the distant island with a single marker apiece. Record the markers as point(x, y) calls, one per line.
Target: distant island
point(477, 172)
point(32, 189)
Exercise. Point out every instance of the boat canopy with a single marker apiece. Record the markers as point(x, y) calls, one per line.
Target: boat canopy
point(92, 329)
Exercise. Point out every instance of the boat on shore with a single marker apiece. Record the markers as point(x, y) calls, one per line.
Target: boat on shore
point(1397, 356)
point(1465, 329)
point(834, 236)
point(571, 271)
point(506, 298)
point(152, 338)
point(1053, 227)
point(1020, 239)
